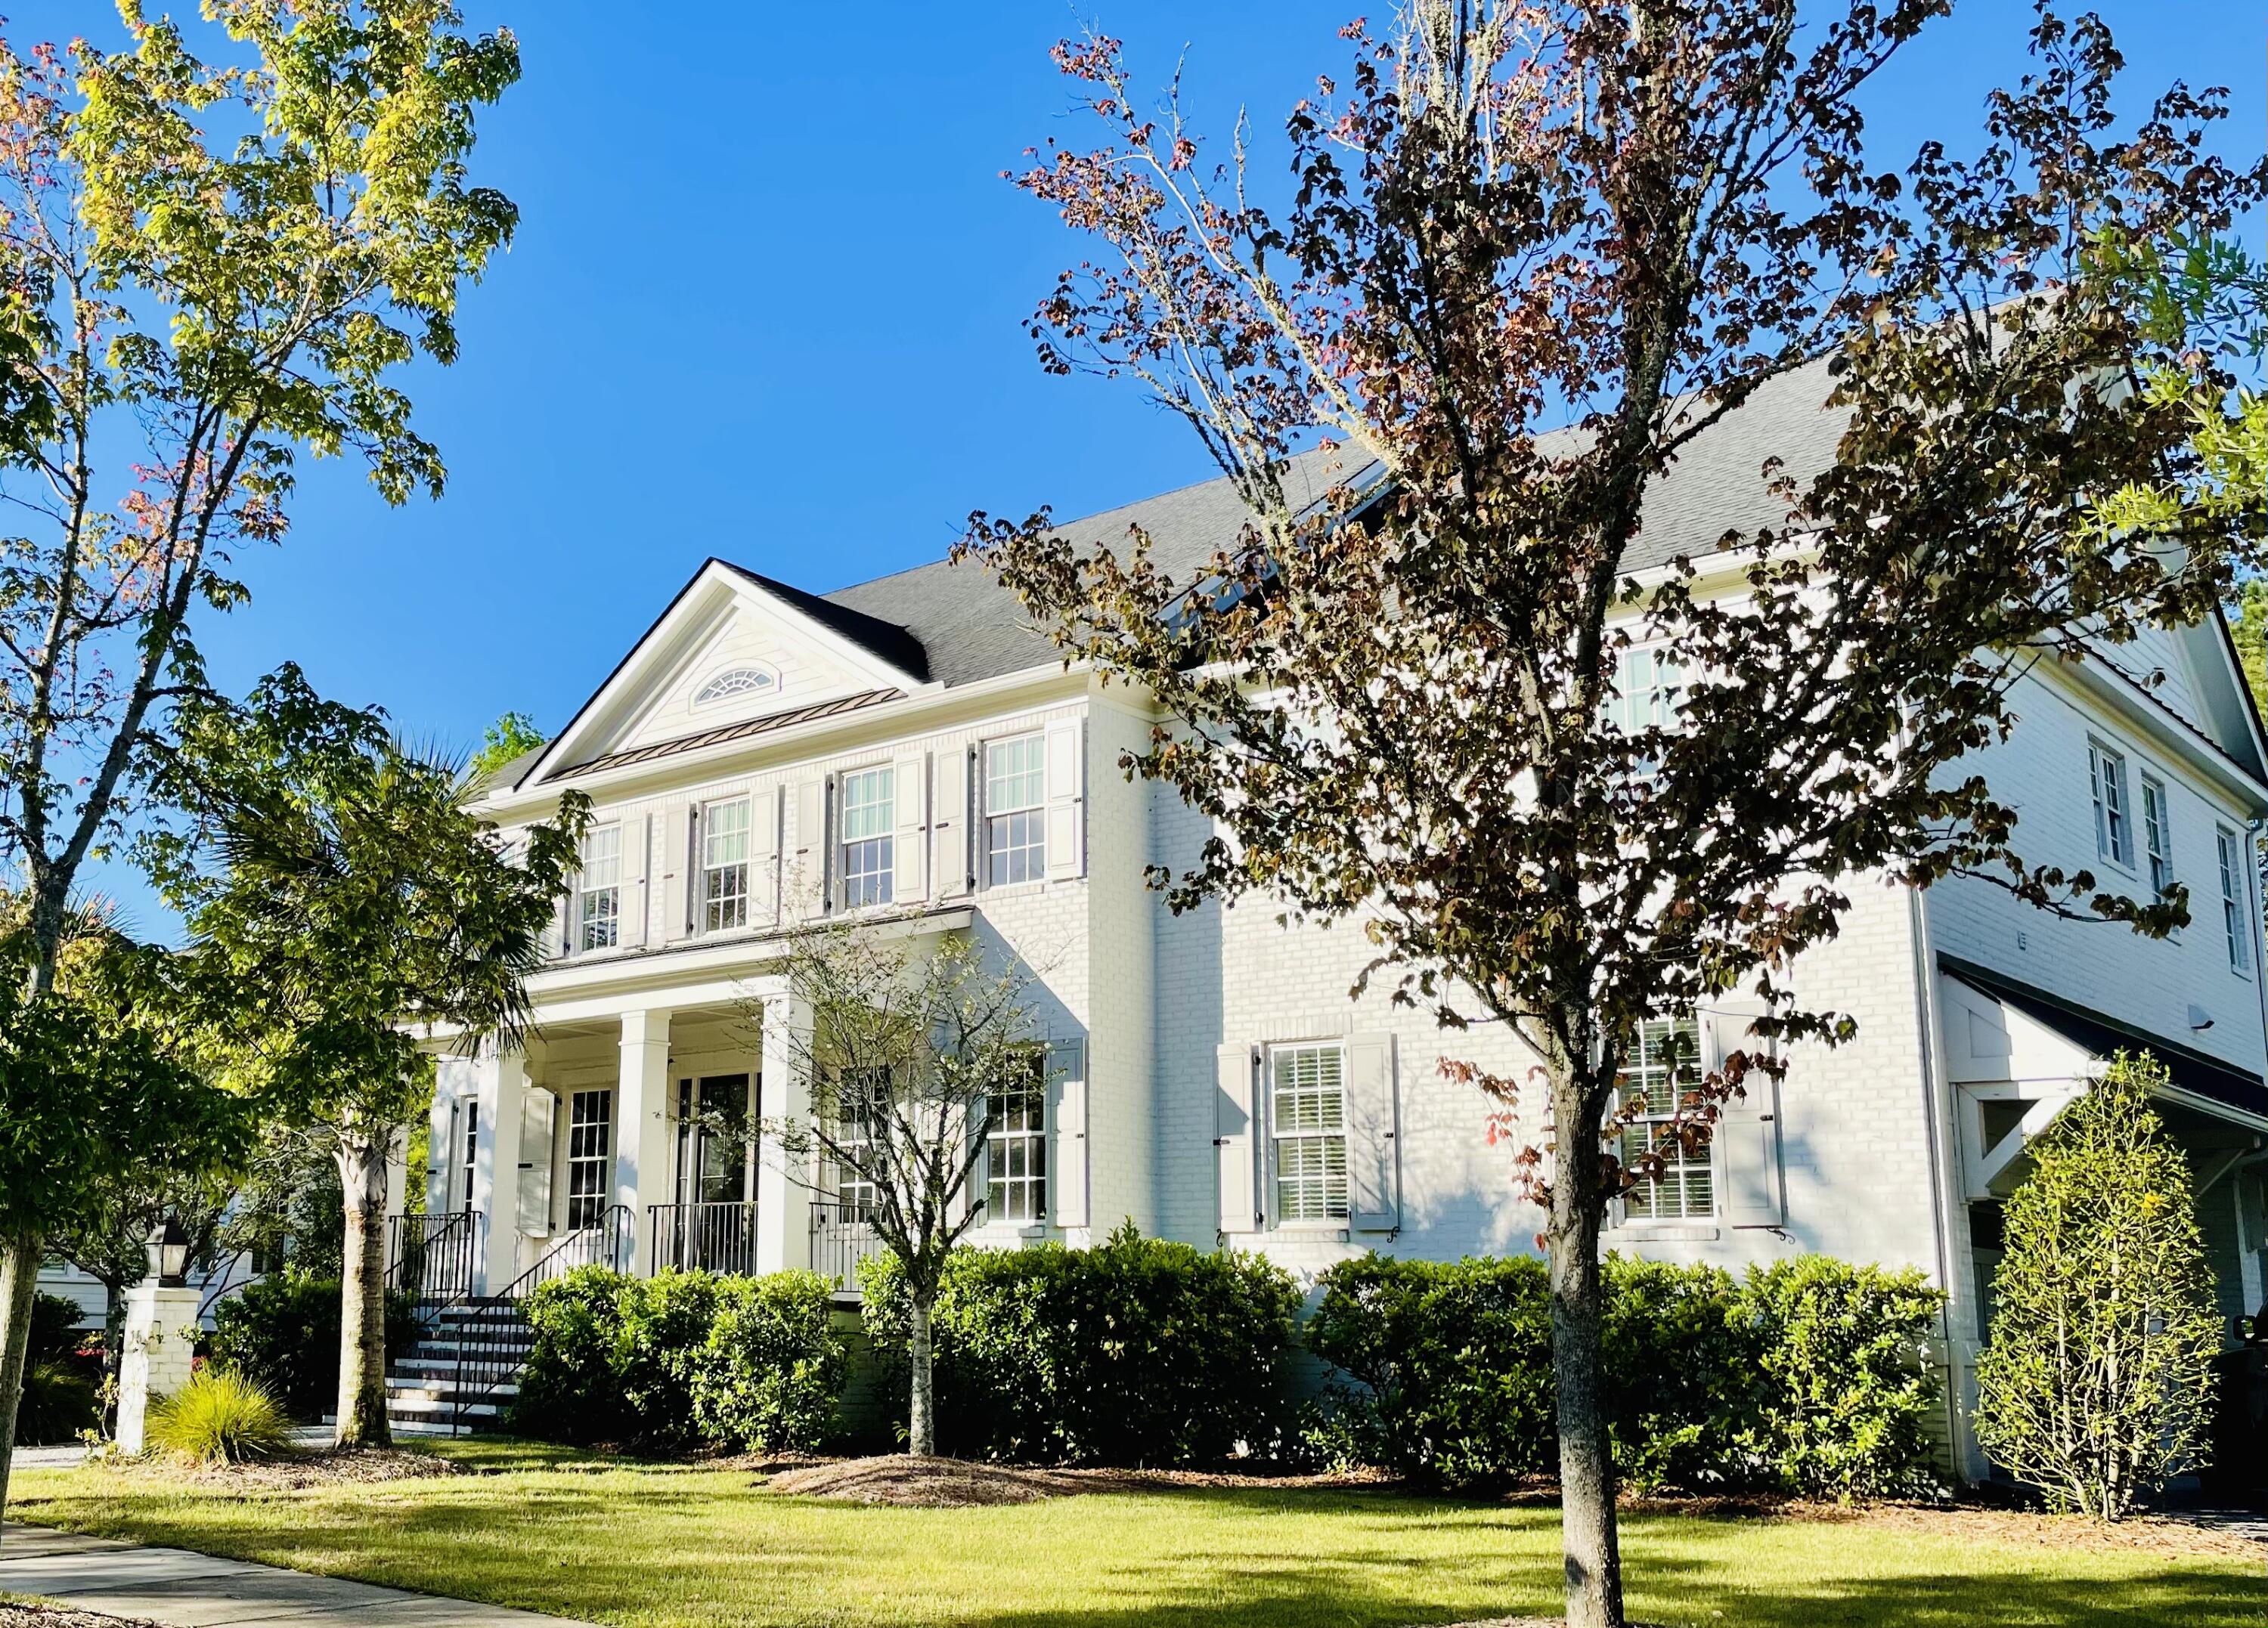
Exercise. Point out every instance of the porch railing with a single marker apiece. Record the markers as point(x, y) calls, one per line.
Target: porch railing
point(841, 1237)
point(489, 1331)
point(703, 1237)
point(432, 1258)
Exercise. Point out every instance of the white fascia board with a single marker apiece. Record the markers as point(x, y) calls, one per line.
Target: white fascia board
point(931, 708)
point(2101, 683)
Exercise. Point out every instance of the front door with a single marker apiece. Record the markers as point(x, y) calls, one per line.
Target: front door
point(715, 1153)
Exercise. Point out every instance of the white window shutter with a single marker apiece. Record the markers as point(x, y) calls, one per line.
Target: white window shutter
point(535, 1112)
point(681, 841)
point(563, 923)
point(806, 865)
point(1374, 1139)
point(949, 825)
point(909, 808)
point(1067, 1160)
point(1066, 800)
point(637, 865)
point(763, 855)
point(1234, 1139)
point(1748, 1131)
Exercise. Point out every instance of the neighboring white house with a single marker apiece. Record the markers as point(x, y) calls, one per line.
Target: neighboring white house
point(910, 750)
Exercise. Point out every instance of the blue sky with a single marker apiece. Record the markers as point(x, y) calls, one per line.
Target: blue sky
point(766, 303)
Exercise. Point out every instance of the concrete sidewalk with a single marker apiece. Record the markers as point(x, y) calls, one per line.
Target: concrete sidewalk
point(185, 1590)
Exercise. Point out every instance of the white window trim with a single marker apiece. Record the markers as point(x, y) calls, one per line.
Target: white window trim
point(2102, 754)
point(2231, 847)
point(2145, 780)
point(1271, 1204)
point(583, 891)
point(838, 869)
point(1695, 1225)
point(745, 802)
point(769, 687)
point(1037, 808)
point(1035, 1141)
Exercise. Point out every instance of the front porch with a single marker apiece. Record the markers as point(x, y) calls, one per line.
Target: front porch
point(637, 1130)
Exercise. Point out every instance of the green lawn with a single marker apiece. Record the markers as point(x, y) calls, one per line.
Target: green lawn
point(619, 1541)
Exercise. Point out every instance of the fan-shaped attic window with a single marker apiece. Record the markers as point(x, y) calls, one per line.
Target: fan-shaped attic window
point(737, 681)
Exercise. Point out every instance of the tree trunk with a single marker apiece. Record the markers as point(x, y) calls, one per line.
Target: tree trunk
point(921, 1429)
point(362, 1287)
point(19, 1275)
point(1591, 1551)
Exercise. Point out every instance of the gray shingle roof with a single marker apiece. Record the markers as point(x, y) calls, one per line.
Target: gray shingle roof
point(971, 628)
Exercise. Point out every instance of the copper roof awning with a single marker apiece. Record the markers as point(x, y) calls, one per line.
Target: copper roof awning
point(747, 729)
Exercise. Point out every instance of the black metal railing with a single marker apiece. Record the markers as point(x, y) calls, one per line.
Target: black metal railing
point(432, 1258)
point(841, 1237)
point(489, 1330)
point(703, 1237)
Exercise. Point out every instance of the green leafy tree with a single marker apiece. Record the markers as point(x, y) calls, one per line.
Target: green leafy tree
point(510, 737)
point(2096, 1381)
point(207, 269)
point(1572, 773)
point(96, 1050)
point(339, 898)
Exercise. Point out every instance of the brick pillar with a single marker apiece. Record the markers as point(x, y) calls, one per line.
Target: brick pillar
point(160, 1338)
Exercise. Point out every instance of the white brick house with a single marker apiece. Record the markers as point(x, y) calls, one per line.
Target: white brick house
point(911, 750)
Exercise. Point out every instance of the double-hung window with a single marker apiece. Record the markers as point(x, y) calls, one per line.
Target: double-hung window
point(725, 866)
point(1653, 1084)
point(868, 820)
point(862, 1103)
point(1015, 824)
point(2157, 835)
point(1307, 1107)
point(2235, 919)
point(2114, 835)
point(1016, 1174)
point(599, 892)
point(472, 1147)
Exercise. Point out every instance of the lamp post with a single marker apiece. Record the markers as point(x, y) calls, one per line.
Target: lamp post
point(168, 1248)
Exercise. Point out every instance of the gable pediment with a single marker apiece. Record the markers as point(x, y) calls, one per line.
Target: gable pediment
point(733, 653)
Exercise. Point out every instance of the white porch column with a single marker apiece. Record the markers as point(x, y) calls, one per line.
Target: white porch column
point(642, 1126)
point(495, 1170)
point(783, 1203)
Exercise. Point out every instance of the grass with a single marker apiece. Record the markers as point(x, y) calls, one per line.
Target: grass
point(659, 1546)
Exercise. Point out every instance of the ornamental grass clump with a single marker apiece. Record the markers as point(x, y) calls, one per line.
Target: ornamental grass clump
point(2095, 1382)
point(220, 1417)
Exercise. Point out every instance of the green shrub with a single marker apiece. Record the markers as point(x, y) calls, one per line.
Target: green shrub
point(1806, 1377)
point(1848, 1389)
point(766, 1378)
point(1138, 1351)
point(220, 1416)
point(1454, 1359)
point(284, 1332)
point(58, 1402)
point(2096, 1380)
point(679, 1359)
point(55, 1329)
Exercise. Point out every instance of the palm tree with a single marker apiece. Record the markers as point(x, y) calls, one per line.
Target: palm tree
point(340, 897)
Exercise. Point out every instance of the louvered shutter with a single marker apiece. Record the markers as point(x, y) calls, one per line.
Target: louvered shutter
point(1066, 832)
point(763, 856)
point(1373, 1143)
point(806, 881)
point(563, 925)
point(637, 865)
point(535, 1116)
point(949, 825)
point(909, 809)
point(1067, 1160)
point(682, 839)
point(1748, 1131)
point(1234, 1140)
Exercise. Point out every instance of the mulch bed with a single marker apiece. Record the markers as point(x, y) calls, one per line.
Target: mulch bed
point(291, 1471)
point(60, 1617)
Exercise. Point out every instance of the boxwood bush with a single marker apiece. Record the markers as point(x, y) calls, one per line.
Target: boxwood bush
point(283, 1334)
point(682, 1358)
point(1135, 1353)
point(1807, 1376)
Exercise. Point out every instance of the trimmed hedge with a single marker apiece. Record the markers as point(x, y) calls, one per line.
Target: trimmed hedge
point(283, 1333)
point(1135, 1353)
point(682, 1358)
point(1806, 1376)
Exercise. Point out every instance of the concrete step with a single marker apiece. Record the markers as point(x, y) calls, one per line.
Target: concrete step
point(419, 1407)
point(441, 1389)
